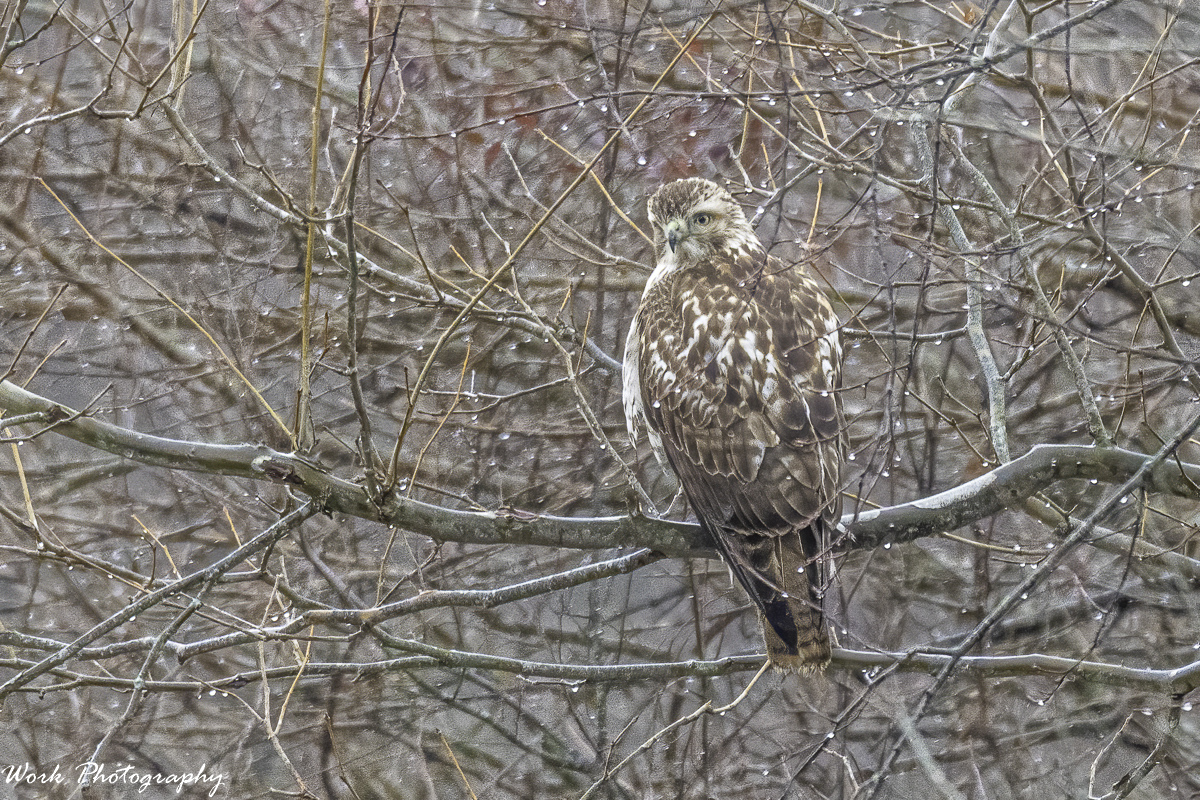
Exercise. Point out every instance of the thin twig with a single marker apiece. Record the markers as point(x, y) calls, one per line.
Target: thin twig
point(706, 708)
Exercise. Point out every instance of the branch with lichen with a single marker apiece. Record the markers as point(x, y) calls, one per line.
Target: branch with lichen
point(977, 499)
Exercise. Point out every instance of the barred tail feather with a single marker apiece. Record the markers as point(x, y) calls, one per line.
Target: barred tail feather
point(795, 633)
point(783, 583)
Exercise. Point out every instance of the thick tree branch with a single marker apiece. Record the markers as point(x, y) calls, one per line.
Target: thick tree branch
point(970, 502)
point(1177, 681)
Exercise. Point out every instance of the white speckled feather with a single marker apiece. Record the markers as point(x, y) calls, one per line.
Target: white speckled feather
point(732, 370)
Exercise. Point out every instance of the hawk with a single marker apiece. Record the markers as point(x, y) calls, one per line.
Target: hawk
point(732, 370)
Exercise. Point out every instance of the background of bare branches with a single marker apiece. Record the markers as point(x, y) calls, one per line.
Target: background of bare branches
point(364, 232)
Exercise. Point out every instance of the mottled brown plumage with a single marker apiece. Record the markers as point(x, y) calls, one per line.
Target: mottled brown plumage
point(732, 367)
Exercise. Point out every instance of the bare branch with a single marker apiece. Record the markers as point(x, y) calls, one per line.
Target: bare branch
point(970, 502)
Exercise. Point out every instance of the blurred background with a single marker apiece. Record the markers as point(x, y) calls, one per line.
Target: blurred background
point(1000, 197)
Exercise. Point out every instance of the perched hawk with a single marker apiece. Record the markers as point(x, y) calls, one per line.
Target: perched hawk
point(732, 368)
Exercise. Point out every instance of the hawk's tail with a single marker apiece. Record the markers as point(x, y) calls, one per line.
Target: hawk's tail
point(784, 583)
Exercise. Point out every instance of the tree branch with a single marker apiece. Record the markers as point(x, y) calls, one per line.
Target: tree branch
point(1176, 681)
point(962, 505)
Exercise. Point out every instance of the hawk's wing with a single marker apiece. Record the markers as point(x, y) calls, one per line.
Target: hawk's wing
point(739, 385)
point(741, 389)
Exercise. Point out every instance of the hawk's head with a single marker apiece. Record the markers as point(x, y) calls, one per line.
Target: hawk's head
point(695, 218)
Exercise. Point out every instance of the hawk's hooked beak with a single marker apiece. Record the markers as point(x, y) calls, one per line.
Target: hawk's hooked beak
point(673, 233)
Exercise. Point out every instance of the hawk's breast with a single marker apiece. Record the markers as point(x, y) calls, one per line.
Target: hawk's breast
point(734, 382)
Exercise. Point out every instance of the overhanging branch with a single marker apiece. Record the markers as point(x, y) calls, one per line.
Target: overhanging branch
point(962, 505)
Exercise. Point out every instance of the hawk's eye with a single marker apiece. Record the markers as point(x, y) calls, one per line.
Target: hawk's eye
point(702, 219)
